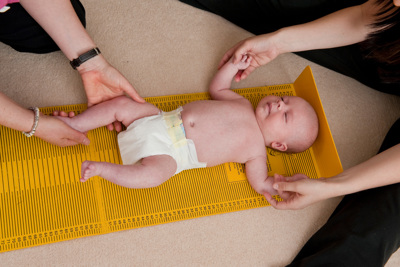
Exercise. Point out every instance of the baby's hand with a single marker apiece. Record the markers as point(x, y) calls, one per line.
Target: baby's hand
point(243, 63)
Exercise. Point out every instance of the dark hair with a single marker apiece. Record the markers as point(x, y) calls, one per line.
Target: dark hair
point(383, 45)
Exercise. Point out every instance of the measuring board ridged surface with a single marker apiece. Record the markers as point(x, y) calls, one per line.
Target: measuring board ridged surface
point(42, 200)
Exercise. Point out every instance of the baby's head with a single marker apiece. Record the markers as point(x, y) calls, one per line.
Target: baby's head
point(288, 123)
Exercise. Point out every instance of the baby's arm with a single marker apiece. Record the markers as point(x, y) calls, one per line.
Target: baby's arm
point(122, 109)
point(257, 175)
point(221, 83)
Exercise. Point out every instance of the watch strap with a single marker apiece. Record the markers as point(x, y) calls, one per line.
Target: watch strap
point(84, 57)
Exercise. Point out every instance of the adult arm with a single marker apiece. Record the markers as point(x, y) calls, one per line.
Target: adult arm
point(49, 129)
point(59, 20)
point(382, 169)
point(344, 27)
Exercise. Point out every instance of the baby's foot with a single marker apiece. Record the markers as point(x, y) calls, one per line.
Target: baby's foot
point(64, 116)
point(68, 118)
point(89, 169)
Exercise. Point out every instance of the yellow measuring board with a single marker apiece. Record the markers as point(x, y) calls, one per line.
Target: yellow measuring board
point(42, 200)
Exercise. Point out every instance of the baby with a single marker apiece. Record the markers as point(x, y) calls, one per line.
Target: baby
point(157, 145)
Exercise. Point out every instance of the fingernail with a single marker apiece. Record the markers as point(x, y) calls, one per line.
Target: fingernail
point(275, 186)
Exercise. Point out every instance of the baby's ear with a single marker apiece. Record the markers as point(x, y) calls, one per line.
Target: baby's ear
point(279, 146)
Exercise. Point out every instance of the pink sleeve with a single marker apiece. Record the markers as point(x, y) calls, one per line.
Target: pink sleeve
point(5, 2)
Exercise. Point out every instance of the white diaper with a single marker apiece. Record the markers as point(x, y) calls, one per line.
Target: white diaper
point(161, 134)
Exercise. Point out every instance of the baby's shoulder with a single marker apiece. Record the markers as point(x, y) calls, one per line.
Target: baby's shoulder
point(241, 104)
point(243, 101)
point(255, 150)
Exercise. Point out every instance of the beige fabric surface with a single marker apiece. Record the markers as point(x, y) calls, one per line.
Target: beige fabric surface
point(166, 47)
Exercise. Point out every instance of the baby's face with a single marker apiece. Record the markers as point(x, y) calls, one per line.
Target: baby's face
point(281, 119)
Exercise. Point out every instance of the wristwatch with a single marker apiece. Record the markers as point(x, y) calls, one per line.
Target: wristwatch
point(84, 57)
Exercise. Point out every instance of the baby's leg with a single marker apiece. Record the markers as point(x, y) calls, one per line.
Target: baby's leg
point(150, 172)
point(121, 109)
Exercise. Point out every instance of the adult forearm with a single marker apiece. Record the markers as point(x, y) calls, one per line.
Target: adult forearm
point(59, 20)
point(344, 27)
point(383, 169)
point(14, 116)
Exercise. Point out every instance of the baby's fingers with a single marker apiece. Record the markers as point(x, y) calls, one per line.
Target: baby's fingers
point(228, 55)
point(281, 205)
point(270, 199)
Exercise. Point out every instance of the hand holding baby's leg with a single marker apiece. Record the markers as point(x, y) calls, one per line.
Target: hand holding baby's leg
point(67, 118)
point(121, 109)
point(64, 116)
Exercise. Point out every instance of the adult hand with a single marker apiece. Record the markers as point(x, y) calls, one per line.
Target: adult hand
point(261, 49)
point(56, 132)
point(297, 192)
point(103, 82)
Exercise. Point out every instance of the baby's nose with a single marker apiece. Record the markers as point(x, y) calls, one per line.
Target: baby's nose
point(279, 105)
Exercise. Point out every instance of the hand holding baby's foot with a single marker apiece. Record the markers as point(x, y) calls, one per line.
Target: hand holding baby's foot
point(64, 116)
point(89, 169)
point(68, 118)
point(244, 62)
